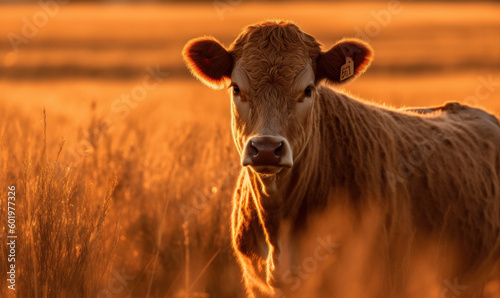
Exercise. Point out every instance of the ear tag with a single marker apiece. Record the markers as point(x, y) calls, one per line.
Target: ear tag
point(347, 70)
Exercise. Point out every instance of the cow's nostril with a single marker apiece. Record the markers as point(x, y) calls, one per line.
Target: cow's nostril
point(252, 149)
point(280, 150)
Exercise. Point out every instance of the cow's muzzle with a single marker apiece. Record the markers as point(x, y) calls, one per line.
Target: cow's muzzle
point(267, 154)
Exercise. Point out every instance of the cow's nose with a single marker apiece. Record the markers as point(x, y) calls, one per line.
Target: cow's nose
point(267, 151)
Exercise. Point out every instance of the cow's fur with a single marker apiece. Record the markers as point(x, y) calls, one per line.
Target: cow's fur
point(429, 173)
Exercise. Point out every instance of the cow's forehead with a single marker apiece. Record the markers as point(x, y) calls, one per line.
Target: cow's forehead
point(278, 70)
point(275, 56)
point(288, 77)
point(274, 53)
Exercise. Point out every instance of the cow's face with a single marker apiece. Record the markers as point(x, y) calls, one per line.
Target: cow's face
point(272, 72)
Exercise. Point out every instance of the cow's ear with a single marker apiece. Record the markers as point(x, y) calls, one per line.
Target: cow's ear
point(345, 60)
point(208, 61)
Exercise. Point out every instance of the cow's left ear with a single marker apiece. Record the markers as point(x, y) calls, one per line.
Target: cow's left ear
point(345, 60)
point(209, 61)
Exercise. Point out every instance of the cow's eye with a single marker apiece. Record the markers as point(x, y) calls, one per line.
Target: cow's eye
point(308, 91)
point(236, 90)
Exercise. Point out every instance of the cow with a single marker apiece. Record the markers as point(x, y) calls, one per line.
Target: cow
point(421, 176)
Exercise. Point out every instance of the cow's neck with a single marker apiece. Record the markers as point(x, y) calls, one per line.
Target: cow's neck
point(355, 136)
point(299, 190)
point(329, 163)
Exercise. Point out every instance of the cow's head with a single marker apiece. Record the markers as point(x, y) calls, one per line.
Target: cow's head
point(272, 71)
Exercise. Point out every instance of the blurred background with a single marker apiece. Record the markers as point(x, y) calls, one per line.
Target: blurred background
point(124, 163)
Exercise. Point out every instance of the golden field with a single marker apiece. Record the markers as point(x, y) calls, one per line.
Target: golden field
point(124, 193)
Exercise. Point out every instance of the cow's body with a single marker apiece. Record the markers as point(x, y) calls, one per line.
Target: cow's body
point(402, 180)
point(433, 176)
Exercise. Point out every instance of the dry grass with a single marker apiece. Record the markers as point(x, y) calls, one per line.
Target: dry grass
point(148, 201)
point(72, 250)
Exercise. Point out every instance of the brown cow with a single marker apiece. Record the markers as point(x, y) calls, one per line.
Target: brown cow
point(307, 150)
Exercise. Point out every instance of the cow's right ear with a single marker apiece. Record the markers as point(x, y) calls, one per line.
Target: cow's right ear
point(208, 61)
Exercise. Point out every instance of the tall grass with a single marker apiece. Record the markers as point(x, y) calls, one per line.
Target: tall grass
point(141, 215)
point(61, 248)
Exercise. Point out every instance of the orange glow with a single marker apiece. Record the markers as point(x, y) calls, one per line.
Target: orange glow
point(127, 184)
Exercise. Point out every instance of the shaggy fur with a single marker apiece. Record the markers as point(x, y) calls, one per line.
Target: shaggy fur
point(430, 173)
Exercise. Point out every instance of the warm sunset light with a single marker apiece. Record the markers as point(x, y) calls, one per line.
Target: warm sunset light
point(240, 148)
